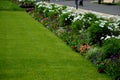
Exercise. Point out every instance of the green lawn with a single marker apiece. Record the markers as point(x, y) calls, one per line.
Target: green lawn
point(28, 51)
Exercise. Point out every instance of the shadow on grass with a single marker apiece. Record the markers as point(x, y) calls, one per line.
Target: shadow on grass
point(9, 6)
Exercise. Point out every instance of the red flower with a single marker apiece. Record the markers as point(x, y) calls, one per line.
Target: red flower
point(74, 47)
point(100, 70)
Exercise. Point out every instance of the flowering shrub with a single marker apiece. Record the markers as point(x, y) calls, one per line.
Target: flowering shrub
point(39, 7)
point(114, 27)
point(98, 32)
point(111, 47)
point(66, 19)
point(26, 0)
point(77, 23)
point(50, 13)
point(88, 19)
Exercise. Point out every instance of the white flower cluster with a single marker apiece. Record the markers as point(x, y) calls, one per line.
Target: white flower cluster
point(114, 26)
point(49, 7)
point(108, 37)
point(102, 23)
point(66, 11)
point(69, 17)
point(78, 17)
point(26, 0)
point(40, 4)
point(20, 0)
point(113, 23)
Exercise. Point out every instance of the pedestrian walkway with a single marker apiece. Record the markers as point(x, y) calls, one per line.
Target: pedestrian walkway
point(88, 5)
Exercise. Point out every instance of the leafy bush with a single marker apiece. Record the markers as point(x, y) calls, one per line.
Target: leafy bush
point(61, 8)
point(111, 47)
point(66, 37)
point(77, 25)
point(110, 59)
point(66, 19)
point(71, 39)
point(114, 28)
point(93, 54)
point(88, 19)
point(90, 15)
point(50, 12)
point(40, 7)
point(112, 68)
point(27, 1)
point(98, 32)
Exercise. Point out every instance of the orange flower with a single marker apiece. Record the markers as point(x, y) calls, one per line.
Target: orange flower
point(84, 47)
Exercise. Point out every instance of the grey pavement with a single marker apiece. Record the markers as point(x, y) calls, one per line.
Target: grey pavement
point(88, 5)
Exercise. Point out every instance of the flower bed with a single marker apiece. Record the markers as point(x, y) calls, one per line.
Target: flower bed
point(94, 37)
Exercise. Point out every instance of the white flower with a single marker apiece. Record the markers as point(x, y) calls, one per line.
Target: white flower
point(118, 37)
point(110, 28)
point(96, 22)
point(48, 6)
point(51, 10)
point(52, 4)
point(67, 10)
point(20, 0)
point(84, 20)
point(107, 37)
point(76, 18)
point(40, 6)
point(116, 25)
point(90, 18)
point(73, 14)
point(65, 18)
point(37, 3)
point(102, 23)
point(25, 0)
point(64, 12)
point(102, 38)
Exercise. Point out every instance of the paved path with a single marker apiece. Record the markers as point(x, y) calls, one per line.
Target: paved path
point(88, 5)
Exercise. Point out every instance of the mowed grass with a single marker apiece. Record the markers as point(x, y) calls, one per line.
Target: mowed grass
point(28, 51)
